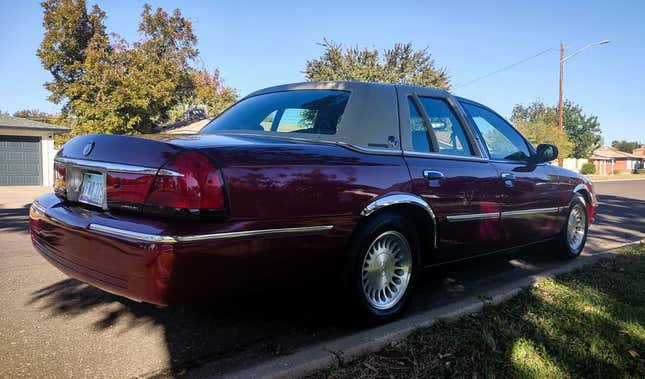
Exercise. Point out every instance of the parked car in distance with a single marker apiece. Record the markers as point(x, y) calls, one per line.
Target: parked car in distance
point(362, 183)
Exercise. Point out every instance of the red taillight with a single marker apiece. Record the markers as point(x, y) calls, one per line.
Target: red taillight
point(198, 188)
point(128, 189)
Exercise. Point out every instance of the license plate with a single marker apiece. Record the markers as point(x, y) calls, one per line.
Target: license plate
point(93, 190)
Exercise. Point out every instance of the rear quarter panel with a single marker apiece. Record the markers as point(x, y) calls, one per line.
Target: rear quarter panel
point(306, 180)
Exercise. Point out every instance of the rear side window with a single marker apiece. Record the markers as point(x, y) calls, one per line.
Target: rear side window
point(502, 140)
point(305, 111)
point(418, 131)
point(446, 128)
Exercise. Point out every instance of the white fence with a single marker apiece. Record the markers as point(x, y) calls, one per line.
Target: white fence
point(574, 164)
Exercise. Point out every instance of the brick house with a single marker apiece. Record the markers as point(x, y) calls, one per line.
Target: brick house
point(609, 161)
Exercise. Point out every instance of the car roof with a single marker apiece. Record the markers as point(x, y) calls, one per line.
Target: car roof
point(342, 85)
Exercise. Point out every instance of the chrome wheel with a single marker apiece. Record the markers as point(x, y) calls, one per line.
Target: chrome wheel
point(386, 270)
point(576, 227)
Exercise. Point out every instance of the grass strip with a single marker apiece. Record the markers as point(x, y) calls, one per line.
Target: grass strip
point(586, 323)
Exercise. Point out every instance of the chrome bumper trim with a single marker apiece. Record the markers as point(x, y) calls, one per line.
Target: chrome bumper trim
point(117, 232)
point(36, 207)
point(206, 237)
point(117, 167)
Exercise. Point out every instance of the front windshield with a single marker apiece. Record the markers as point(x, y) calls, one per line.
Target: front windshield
point(302, 111)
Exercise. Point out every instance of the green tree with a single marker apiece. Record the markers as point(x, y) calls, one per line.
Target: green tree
point(582, 130)
point(69, 29)
point(538, 132)
point(111, 86)
point(400, 64)
point(626, 146)
point(130, 89)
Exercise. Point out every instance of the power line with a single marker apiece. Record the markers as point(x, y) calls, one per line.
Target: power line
point(505, 68)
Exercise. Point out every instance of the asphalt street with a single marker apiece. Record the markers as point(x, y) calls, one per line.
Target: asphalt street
point(53, 326)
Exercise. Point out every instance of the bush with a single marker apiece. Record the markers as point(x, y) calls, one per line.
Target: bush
point(588, 168)
point(640, 171)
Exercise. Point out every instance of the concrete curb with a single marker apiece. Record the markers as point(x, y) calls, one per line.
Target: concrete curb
point(614, 180)
point(346, 349)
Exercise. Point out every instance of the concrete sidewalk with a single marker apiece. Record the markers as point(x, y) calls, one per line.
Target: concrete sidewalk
point(13, 197)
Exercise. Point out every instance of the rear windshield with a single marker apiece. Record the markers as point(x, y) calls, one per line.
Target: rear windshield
point(303, 111)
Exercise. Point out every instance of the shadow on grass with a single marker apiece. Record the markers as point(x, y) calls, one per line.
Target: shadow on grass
point(588, 323)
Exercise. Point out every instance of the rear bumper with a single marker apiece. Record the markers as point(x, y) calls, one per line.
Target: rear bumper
point(139, 271)
point(159, 262)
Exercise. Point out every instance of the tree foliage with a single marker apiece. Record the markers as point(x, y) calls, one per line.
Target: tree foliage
point(538, 132)
point(626, 146)
point(69, 30)
point(400, 64)
point(111, 86)
point(37, 115)
point(581, 130)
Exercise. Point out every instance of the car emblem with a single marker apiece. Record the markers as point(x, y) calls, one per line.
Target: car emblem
point(88, 148)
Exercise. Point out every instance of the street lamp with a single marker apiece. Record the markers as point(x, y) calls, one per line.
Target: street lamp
point(562, 60)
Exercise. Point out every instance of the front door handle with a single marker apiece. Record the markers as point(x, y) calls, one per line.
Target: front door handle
point(433, 175)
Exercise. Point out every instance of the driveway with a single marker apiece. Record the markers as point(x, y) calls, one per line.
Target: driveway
point(58, 327)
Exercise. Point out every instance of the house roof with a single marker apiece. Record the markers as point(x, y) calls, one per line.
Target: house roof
point(11, 122)
point(640, 152)
point(607, 152)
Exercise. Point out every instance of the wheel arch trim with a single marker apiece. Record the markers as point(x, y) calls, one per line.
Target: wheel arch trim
point(586, 191)
point(402, 199)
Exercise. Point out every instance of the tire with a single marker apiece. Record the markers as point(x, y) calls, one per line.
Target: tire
point(382, 267)
point(571, 240)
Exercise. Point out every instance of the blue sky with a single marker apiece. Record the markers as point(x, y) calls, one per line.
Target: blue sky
point(257, 44)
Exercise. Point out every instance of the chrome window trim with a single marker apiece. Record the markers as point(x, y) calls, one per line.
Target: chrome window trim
point(473, 216)
point(117, 167)
point(206, 237)
point(350, 146)
point(524, 212)
point(369, 150)
point(409, 153)
point(401, 198)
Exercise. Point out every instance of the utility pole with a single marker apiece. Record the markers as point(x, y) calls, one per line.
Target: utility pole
point(562, 60)
point(561, 100)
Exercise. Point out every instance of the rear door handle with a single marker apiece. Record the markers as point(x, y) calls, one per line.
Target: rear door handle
point(433, 175)
point(507, 176)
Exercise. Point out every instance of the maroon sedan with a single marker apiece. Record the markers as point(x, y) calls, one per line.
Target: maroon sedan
point(367, 183)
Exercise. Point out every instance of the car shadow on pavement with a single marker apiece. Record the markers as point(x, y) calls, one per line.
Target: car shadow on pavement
point(276, 321)
point(14, 219)
point(258, 325)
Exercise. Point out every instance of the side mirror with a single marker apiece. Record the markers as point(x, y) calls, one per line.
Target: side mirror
point(546, 153)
